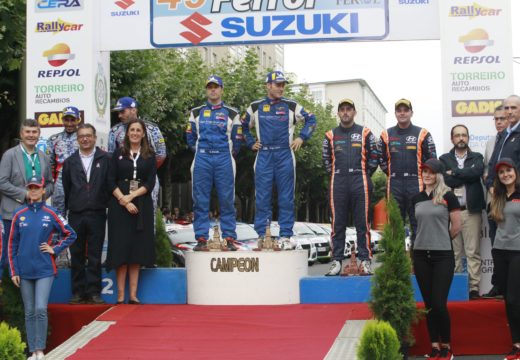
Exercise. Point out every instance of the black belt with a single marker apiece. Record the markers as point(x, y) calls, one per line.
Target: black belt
point(462, 208)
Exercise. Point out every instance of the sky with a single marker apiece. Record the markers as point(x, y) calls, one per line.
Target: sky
point(393, 69)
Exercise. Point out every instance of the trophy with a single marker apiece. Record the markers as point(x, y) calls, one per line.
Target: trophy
point(352, 268)
point(216, 243)
point(267, 243)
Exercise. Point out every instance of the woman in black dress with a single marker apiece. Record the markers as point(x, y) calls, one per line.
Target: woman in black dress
point(130, 213)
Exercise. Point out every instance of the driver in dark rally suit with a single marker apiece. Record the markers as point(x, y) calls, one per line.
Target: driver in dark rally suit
point(405, 147)
point(350, 156)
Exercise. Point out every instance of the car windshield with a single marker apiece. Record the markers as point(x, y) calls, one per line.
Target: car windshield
point(317, 229)
point(301, 229)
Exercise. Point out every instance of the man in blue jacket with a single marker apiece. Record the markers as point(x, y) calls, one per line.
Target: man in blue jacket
point(214, 134)
point(274, 118)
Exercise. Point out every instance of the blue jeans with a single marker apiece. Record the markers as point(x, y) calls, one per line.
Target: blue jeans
point(35, 295)
point(5, 240)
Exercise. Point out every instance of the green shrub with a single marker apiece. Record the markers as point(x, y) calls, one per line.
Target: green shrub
point(163, 250)
point(392, 297)
point(378, 342)
point(11, 304)
point(11, 345)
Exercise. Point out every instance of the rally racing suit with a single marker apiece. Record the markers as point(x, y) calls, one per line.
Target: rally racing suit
point(403, 153)
point(59, 147)
point(214, 133)
point(274, 121)
point(350, 156)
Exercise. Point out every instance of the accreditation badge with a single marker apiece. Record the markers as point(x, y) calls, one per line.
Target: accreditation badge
point(267, 108)
point(134, 185)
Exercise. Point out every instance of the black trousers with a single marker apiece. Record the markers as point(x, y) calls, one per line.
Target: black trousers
point(492, 226)
point(85, 252)
point(507, 277)
point(434, 273)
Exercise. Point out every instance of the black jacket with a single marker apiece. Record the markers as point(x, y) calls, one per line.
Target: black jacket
point(470, 176)
point(510, 146)
point(82, 196)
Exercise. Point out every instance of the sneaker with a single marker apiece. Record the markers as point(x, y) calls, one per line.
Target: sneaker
point(230, 244)
point(366, 267)
point(514, 354)
point(474, 295)
point(434, 354)
point(446, 354)
point(285, 243)
point(76, 299)
point(494, 293)
point(335, 268)
point(202, 245)
point(96, 300)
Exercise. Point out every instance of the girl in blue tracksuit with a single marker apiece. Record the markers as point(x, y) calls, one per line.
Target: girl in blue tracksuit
point(31, 259)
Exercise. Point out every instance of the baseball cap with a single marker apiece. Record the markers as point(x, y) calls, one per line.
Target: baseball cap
point(404, 102)
point(434, 165)
point(347, 101)
point(124, 103)
point(505, 162)
point(213, 79)
point(275, 76)
point(70, 111)
point(35, 181)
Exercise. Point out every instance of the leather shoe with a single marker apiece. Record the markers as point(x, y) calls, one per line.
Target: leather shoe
point(474, 295)
point(76, 299)
point(134, 302)
point(96, 300)
point(494, 293)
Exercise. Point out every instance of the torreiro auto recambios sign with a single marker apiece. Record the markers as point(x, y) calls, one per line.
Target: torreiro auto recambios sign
point(186, 23)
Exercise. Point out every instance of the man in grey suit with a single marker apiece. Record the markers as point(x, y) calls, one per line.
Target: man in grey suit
point(18, 165)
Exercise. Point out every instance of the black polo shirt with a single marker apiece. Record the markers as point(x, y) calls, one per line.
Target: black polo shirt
point(433, 221)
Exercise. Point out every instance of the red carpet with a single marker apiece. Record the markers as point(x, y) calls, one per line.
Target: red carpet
point(478, 327)
point(256, 332)
point(221, 332)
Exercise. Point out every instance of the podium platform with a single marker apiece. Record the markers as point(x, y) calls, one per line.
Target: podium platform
point(245, 277)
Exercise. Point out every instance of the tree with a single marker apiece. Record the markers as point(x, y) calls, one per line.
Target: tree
point(392, 292)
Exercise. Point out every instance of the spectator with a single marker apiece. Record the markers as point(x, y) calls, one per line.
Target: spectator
point(85, 175)
point(31, 259)
point(131, 224)
point(177, 215)
point(500, 121)
point(404, 148)
point(505, 210)
point(167, 215)
point(18, 165)
point(438, 222)
point(59, 147)
point(464, 169)
point(275, 118)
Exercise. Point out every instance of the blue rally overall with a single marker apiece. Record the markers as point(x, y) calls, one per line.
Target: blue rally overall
point(214, 133)
point(274, 121)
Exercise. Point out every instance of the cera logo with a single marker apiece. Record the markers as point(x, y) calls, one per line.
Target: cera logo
point(58, 55)
point(124, 4)
point(58, 5)
point(53, 118)
point(485, 107)
point(476, 40)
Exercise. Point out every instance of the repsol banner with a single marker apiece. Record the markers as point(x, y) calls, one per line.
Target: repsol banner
point(477, 65)
point(219, 22)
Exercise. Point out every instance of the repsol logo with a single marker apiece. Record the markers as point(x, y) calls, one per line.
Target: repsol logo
point(289, 25)
point(242, 264)
point(461, 108)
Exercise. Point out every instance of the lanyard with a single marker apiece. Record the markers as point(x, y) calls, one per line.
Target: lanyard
point(135, 161)
point(87, 169)
point(31, 159)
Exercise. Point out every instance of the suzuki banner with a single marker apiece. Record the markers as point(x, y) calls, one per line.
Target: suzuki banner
point(145, 24)
point(477, 68)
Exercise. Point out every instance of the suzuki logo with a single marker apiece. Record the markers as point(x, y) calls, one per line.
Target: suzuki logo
point(194, 23)
point(124, 4)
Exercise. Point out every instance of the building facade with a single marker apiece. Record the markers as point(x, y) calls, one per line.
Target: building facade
point(269, 56)
point(370, 110)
